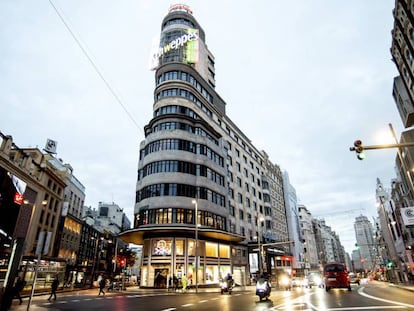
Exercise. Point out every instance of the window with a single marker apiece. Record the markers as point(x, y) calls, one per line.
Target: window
point(239, 198)
point(241, 214)
point(231, 210)
point(224, 251)
point(239, 182)
point(211, 249)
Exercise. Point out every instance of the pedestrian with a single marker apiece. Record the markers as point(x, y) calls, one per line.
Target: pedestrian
point(184, 282)
point(175, 281)
point(55, 285)
point(102, 284)
point(18, 287)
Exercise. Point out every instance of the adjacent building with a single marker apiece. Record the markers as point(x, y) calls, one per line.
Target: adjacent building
point(364, 235)
point(402, 193)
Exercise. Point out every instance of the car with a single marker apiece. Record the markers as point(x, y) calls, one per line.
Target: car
point(336, 275)
point(315, 279)
point(354, 278)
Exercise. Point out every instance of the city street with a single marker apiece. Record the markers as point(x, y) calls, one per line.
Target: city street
point(372, 296)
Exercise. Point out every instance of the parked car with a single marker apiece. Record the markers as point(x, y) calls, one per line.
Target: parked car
point(336, 275)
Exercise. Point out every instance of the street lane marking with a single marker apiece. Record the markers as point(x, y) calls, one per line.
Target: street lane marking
point(170, 309)
point(187, 305)
point(202, 301)
point(361, 292)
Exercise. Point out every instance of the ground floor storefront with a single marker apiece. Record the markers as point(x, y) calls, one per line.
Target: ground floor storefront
point(166, 259)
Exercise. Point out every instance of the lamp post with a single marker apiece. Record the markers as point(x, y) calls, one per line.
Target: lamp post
point(196, 246)
point(259, 237)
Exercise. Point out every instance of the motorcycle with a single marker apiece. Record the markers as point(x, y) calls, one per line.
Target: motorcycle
point(286, 283)
point(226, 287)
point(263, 289)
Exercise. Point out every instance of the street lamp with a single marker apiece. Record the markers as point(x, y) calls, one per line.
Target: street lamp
point(196, 246)
point(259, 237)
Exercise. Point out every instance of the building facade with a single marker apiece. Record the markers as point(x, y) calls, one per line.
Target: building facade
point(205, 195)
point(33, 188)
point(402, 195)
point(364, 235)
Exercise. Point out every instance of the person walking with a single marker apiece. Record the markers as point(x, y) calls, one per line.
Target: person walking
point(184, 282)
point(55, 285)
point(102, 284)
point(18, 287)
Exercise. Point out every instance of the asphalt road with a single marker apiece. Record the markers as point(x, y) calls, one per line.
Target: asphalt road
point(374, 296)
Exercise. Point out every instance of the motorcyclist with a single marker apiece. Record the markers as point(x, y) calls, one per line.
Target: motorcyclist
point(264, 279)
point(229, 280)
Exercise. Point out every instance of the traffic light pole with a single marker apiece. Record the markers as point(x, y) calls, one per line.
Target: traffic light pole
point(385, 146)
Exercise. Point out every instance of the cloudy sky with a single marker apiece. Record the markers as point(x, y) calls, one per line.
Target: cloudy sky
point(302, 79)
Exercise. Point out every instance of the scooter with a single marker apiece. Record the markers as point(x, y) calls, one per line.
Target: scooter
point(226, 287)
point(286, 283)
point(263, 289)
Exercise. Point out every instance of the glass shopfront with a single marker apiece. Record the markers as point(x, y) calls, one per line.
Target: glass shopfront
point(168, 257)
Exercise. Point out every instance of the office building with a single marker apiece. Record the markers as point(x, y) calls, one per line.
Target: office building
point(201, 181)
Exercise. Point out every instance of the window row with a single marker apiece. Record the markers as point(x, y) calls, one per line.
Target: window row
point(180, 216)
point(183, 76)
point(183, 190)
point(181, 167)
point(176, 110)
point(185, 127)
point(186, 94)
point(181, 21)
point(185, 145)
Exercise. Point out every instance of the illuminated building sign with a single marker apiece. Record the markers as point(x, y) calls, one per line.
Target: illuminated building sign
point(188, 41)
point(180, 7)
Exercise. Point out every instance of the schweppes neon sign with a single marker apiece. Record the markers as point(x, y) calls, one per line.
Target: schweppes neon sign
point(186, 40)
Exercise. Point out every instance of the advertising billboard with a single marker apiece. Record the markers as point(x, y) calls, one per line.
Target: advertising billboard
point(178, 45)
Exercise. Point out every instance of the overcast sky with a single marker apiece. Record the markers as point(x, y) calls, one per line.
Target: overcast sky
point(302, 79)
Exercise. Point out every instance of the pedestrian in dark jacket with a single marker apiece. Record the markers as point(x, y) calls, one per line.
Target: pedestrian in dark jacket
point(102, 284)
point(18, 287)
point(55, 285)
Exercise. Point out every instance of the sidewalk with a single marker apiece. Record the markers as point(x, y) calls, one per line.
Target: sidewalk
point(405, 286)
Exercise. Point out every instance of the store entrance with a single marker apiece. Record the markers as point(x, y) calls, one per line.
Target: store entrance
point(160, 277)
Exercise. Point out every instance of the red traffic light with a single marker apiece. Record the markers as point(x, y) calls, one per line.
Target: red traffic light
point(359, 149)
point(358, 143)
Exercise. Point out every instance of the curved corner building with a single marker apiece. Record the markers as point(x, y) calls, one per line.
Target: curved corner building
point(186, 168)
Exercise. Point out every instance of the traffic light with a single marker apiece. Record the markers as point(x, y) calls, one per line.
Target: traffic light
point(359, 149)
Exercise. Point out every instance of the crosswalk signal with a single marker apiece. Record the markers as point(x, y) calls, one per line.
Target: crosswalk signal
point(359, 149)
